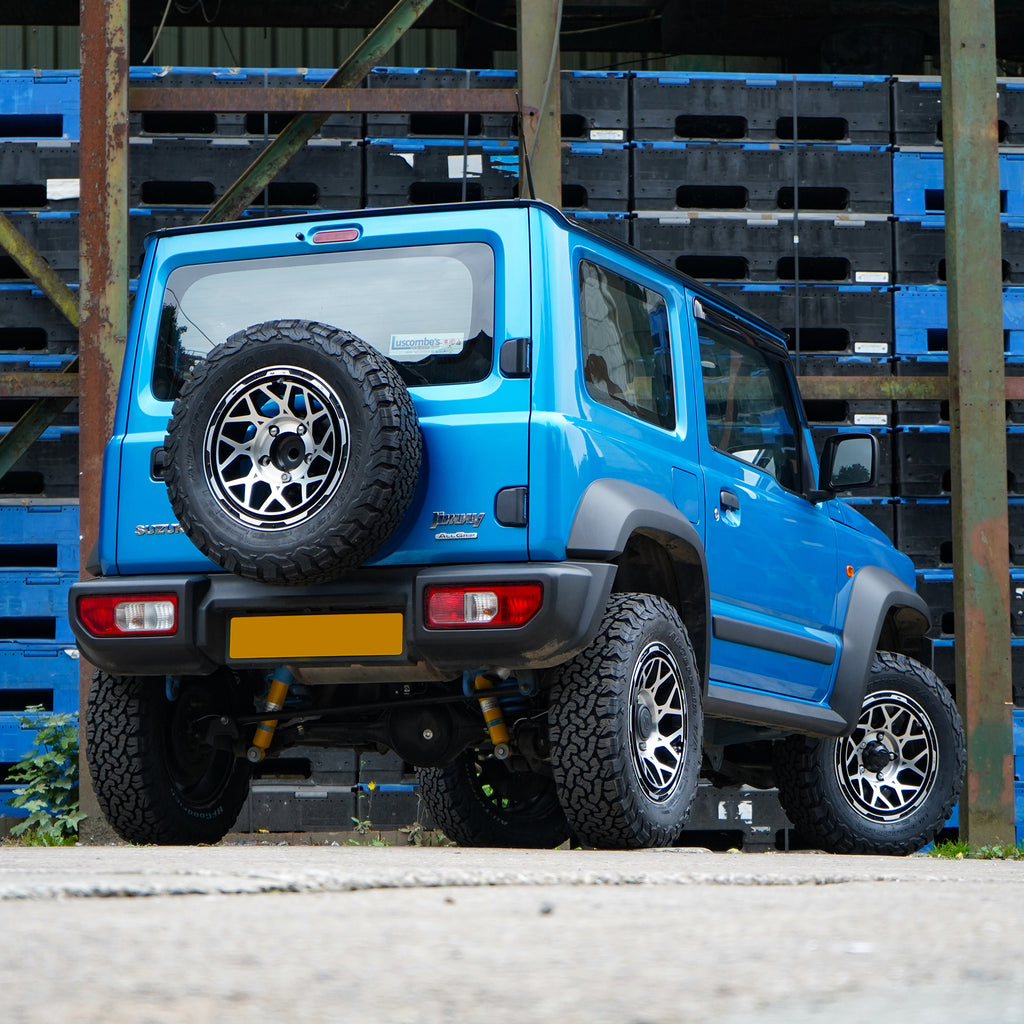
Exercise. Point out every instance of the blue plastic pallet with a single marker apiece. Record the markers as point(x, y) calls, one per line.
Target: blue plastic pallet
point(40, 536)
point(921, 320)
point(35, 606)
point(39, 105)
point(918, 187)
point(41, 666)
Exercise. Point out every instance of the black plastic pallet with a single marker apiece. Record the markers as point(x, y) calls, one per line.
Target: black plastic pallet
point(924, 531)
point(843, 320)
point(728, 106)
point(31, 326)
point(748, 247)
point(917, 110)
point(760, 176)
point(936, 587)
point(920, 246)
point(49, 469)
point(39, 175)
point(923, 454)
point(324, 174)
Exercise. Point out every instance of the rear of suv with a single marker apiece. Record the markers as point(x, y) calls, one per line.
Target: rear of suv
point(510, 499)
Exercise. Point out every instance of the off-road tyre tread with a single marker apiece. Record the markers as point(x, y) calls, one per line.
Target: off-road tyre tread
point(800, 767)
point(588, 741)
point(452, 800)
point(128, 777)
point(389, 472)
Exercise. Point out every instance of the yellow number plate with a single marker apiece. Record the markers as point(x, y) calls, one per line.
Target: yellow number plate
point(316, 636)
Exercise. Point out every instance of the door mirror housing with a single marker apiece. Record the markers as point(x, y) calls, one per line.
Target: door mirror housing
point(848, 462)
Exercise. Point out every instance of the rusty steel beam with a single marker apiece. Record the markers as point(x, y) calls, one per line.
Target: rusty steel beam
point(41, 414)
point(38, 384)
point(981, 599)
point(895, 388)
point(262, 171)
point(317, 100)
point(103, 289)
point(539, 60)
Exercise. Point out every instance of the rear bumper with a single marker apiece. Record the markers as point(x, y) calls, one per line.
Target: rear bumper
point(575, 597)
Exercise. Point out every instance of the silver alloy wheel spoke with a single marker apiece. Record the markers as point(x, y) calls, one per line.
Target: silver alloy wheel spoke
point(277, 447)
point(887, 767)
point(658, 754)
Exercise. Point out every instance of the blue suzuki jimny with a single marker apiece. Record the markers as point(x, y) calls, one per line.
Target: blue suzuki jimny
point(539, 514)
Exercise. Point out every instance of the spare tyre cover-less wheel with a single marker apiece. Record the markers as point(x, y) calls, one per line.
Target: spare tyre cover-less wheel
point(292, 452)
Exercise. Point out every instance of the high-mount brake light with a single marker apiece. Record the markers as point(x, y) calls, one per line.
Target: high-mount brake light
point(108, 615)
point(504, 605)
point(334, 235)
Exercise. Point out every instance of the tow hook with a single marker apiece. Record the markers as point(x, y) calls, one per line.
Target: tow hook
point(280, 681)
point(493, 719)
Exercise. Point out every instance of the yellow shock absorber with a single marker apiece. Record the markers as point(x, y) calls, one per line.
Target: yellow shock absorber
point(276, 697)
point(493, 719)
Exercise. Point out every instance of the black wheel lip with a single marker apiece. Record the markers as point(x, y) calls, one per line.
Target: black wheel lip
point(843, 753)
point(339, 463)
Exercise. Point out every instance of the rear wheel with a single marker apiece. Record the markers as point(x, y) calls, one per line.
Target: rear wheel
point(626, 725)
point(890, 786)
point(156, 778)
point(478, 801)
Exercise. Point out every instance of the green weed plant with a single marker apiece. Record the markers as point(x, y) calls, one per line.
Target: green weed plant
point(47, 780)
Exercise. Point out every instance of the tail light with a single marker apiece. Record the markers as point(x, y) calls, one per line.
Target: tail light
point(129, 615)
point(495, 607)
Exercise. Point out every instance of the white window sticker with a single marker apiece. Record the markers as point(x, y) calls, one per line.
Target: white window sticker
point(411, 347)
point(472, 168)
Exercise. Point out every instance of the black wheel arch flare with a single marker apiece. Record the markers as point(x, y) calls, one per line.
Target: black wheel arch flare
point(622, 522)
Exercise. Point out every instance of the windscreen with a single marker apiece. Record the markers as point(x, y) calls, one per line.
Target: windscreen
point(429, 309)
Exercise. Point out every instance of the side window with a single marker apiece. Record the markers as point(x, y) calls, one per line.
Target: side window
point(749, 405)
point(627, 364)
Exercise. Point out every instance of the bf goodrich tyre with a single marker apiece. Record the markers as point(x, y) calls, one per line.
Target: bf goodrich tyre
point(626, 725)
point(292, 452)
point(478, 802)
point(888, 787)
point(155, 778)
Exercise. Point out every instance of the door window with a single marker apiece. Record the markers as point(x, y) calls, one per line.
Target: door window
point(750, 411)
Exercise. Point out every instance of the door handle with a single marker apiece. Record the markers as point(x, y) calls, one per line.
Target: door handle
point(728, 501)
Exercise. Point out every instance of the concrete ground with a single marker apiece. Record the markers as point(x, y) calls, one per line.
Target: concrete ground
point(406, 934)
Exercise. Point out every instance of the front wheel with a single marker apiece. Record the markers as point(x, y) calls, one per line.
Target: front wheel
point(626, 725)
point(156, 779)
point(890, 786)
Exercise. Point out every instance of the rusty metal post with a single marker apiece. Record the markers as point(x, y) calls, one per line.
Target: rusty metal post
point(539, 59)
point(40, 414)
point(103, 291)
point(977, 417)
point(297, 132)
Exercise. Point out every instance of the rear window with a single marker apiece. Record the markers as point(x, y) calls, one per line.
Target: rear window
point(429, 309)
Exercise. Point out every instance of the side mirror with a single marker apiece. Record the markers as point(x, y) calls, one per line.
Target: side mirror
point(848, 462)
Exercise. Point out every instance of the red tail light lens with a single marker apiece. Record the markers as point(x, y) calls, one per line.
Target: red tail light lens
point(494, 607)
point(129, 615)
